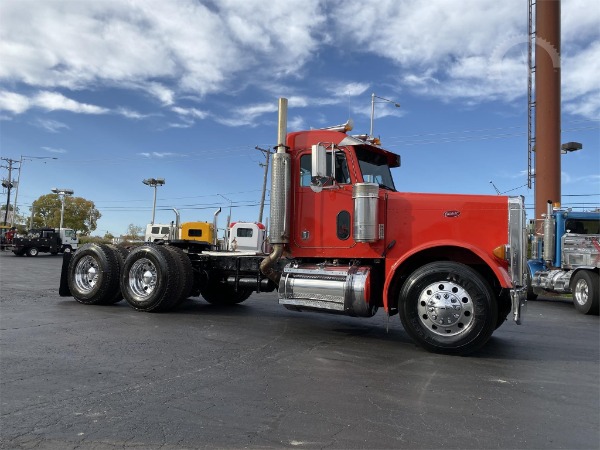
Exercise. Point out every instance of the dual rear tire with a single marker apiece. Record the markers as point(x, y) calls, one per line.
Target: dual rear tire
point(152, 278)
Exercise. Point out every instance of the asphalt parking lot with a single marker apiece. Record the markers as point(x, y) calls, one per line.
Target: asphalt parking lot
point(259, 376)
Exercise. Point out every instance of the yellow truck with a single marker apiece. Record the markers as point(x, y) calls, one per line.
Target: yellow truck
point(200, 232)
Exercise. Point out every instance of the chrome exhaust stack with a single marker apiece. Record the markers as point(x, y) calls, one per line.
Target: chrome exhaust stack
point(215, 232)
point(174, 229)
point(279, 233)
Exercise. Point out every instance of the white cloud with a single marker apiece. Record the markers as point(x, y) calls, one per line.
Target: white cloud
point(13, 102)
point(351, 89)
point(197, 49)
point(473, 52)
point(54, 150)
point(157, 154)
point(190, 112)
point(52, 101)
point(53, 126)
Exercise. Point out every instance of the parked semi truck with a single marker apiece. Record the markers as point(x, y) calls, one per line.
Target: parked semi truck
point(342, 240)
point(565, 258)
point(46, 240)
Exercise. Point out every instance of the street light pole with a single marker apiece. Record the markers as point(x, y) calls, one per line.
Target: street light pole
point(62, 193)
point(24, 158)
point(385, 100)
point(154, 182)
point(267, 154)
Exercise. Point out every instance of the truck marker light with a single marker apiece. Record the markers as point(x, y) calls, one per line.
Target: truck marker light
point(500, 252)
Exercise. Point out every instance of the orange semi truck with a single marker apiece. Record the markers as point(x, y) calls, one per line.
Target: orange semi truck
point(342, 240)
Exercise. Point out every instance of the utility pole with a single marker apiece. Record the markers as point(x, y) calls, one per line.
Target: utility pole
point(8, 184)
point(267, 154)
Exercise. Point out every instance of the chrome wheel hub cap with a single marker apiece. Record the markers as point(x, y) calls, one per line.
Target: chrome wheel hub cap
point(86, 273)
point(142, 277)
point(445, 308)
point(581, 292)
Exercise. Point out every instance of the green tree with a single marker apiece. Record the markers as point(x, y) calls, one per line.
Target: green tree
point(80, 214)
point(134, 232)
point(18, 219)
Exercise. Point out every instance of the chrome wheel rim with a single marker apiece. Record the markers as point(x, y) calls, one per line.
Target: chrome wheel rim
point(581, 292)
point(445, 309)
point(86, 273)
point(142, 278)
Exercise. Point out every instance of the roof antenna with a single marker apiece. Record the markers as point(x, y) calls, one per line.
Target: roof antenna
point(497, 191)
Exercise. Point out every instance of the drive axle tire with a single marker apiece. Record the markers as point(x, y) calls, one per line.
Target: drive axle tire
point(224, 294)
point(186, 273)
point(93, 275)
point(447, 307)
point(150, 279)
point(585, 287)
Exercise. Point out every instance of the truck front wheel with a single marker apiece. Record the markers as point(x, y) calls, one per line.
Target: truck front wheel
point(150, 279)
point(32, 251)
point(584, 286)
point(447, 307)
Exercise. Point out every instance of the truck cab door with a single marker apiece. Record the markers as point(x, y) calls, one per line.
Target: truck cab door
point(322, 217)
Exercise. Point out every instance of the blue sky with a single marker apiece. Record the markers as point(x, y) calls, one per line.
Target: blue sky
point(184, 90)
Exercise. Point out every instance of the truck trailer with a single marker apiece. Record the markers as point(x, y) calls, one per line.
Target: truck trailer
point(341, 240)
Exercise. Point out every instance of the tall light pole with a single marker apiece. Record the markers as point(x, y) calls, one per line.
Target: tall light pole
point(62, 194)
point(383, 100)
point(267, 154)
point(24, 158)
point(154, 182)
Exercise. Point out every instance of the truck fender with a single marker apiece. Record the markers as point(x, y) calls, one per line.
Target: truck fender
point(534, 266)
point(388, 289)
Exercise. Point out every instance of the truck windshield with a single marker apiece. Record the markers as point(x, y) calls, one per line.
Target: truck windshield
point(375, 168)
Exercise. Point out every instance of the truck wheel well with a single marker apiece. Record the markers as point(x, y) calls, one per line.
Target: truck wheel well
point(446, 253)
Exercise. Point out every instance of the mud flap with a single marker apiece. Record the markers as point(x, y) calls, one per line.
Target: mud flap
point(63, 289)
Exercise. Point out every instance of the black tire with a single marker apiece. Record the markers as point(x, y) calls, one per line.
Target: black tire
point(447, 307)
point(150, 279)
point(32, 251)
point(119, 254)
point(585, 287)
point(93, 275)
point(224, 294)
point(186, 273)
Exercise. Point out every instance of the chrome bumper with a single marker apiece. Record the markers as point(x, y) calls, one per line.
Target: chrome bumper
point(519, 303)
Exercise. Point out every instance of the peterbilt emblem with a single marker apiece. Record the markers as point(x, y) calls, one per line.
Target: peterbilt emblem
point(452, 214)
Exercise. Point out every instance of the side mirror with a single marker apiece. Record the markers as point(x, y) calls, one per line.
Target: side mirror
point(319, 161)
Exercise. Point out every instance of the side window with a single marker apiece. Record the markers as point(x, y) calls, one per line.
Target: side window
point(194, 232)
point(342, 174)
point(343, 225)
point(305, 168)
point(244, 232)
point(165, 230)
point(155, 230)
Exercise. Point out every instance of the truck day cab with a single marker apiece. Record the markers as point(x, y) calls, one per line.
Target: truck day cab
point(343, 241)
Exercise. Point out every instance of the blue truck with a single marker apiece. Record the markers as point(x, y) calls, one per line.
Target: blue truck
point(565, 258)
